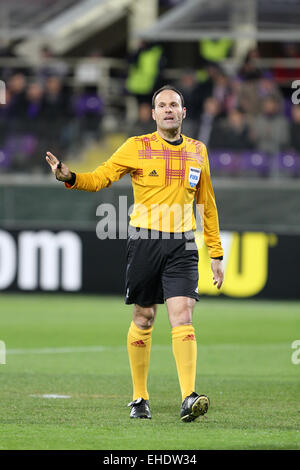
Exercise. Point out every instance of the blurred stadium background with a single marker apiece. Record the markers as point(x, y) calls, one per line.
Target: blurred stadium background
point(77, 78)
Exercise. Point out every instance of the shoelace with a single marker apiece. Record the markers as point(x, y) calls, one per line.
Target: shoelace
point(135, 402)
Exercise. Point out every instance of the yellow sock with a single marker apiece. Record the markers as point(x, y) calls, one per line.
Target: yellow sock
point(139, 346)
point(185, 353)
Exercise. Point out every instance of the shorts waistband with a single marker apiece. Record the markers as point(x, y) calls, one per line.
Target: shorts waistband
point(136, 233)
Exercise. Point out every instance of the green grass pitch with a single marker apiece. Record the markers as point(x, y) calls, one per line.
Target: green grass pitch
point(244, 366)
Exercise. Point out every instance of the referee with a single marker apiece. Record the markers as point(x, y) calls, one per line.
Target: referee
point(169, 171)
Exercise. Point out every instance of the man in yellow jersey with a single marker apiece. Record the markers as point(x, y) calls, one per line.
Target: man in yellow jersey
point(168, 172)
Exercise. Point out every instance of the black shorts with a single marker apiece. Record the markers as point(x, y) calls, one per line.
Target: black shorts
point(160, 268)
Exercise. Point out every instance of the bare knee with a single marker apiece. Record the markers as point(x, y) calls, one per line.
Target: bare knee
point(180, 310)
point(144, 317)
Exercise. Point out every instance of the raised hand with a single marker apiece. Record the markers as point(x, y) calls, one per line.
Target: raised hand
point(59, 169)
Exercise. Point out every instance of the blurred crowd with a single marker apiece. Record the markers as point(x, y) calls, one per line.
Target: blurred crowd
point(250, 113)
point(245, 112)
point(41, 112)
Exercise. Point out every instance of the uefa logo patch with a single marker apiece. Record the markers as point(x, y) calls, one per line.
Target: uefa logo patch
point(194, 176)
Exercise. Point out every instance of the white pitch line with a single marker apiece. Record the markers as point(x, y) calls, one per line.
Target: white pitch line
point(49, 395)
point(157, 347)
point(66, 350)
point(72, 350)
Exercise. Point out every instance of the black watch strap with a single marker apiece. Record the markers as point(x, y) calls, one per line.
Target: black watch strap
point(217, 257)
point(72, 180)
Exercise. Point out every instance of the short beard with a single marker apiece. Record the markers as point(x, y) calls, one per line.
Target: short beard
point(173, 131)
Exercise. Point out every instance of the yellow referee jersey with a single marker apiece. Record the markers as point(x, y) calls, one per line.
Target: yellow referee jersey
point(166, 180)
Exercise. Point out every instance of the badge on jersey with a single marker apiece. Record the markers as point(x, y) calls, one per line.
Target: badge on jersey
point(194, 176)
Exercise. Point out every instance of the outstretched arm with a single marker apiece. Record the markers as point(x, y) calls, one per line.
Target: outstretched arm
point(123, 161)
